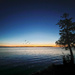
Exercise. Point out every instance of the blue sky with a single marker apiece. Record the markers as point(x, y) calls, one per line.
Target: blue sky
point(33, 21)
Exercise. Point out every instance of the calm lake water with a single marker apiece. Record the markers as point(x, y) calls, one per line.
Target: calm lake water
point(27, 60)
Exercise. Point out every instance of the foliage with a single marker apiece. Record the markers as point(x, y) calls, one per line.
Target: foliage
point(66, 59)
point(67, 32)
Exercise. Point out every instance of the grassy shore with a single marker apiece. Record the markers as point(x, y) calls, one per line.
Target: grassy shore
point(58, 70)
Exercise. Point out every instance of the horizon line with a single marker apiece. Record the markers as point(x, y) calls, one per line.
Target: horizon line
point(29, 46)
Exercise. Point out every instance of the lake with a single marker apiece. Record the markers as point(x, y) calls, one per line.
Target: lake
point(28, 60)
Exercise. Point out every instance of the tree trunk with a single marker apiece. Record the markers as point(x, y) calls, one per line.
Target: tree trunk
point(72, 58)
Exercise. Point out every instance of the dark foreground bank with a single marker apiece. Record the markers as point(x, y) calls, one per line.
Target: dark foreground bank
point(51, 70)
point(58, 70)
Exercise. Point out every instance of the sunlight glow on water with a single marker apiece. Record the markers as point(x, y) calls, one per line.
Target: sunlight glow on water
point(32, 50)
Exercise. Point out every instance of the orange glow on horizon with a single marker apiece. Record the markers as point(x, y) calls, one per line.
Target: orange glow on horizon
point(32, 45)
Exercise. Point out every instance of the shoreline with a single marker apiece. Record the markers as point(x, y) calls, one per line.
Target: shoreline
point(57, 70)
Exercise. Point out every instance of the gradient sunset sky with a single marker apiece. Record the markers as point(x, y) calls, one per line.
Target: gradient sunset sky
point(32, 22)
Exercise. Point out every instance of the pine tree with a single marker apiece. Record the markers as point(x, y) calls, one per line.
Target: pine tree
point(67, 34)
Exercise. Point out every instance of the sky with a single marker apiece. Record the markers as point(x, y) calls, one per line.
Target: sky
point(32, 22)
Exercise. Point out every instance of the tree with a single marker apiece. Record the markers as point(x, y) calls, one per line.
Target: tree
point(67, 34)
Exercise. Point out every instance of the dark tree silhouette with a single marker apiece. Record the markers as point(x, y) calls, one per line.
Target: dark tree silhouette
point(67, 34)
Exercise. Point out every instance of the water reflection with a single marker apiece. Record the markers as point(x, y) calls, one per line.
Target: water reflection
point(32, 51)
